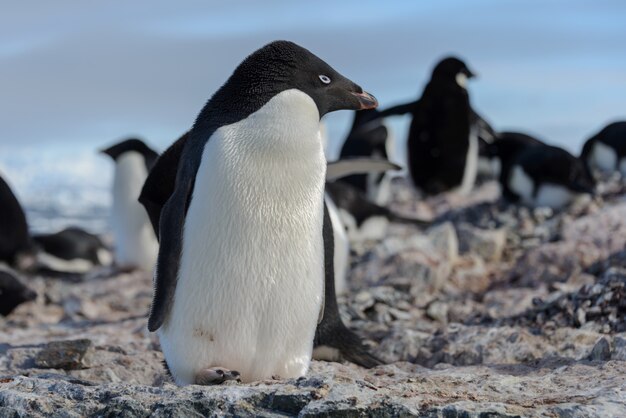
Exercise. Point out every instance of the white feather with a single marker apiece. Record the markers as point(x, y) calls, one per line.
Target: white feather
point(521, 184)
point(251, 276)
point(135, 243)
point(553, 196)
point(603, 157)
point(461, 80)
point(471, 164)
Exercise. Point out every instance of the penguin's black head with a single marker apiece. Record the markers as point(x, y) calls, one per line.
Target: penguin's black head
point(13, 293)
point(131, 144)
point(283, 65)
point(452, 69)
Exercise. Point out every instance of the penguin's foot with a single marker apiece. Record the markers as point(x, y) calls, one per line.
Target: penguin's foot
point(216, 376)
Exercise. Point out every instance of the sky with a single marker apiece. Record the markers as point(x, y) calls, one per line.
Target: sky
point(76, 76)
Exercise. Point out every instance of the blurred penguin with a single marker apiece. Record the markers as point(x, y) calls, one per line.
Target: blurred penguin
point(369, 137)
point(547, 176)
point(443, 135)
point(503, 152)
point(72, 250)
point(13, 292)
point(136, 245)
point(606, 151)
point(16, 246)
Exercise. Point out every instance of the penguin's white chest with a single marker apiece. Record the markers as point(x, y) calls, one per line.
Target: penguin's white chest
point(604, 157)
point(135, 242)
point(251, 276)
point(549, 195)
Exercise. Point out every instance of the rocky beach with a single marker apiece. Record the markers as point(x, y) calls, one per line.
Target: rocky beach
point(492, 311)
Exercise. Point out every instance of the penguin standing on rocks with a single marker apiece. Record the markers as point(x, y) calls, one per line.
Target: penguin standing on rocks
point(442, 147)
point(246, 242)
point(547, 176)
point(606, 151)
point(368, 137)
point(136, 245)
point(16, 247)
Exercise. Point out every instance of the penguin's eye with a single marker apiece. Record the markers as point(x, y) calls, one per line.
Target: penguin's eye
point(324, 78)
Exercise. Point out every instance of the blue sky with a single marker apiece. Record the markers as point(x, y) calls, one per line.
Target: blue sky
point(77, 76)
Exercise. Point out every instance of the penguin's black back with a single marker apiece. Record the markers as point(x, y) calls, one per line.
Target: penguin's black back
point(550, 164)
point(367, 138)
point(353, 201)
point(12, 292)
point(14, 237)
point(439, 137)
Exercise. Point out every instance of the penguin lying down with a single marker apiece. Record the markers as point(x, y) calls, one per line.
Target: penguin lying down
point(244, 277)
point(547, 176)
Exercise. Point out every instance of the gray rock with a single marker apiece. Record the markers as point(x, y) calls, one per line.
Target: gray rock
point(66, 355)
point(489, 244)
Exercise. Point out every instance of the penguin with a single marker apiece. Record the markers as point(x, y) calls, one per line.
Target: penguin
point(246, 241)
point(13, 292)
point(547, 176)
point(16, 246)
point(72, 250)
point(363, 220)
point(442, 146)
point(503, 152)
point(136, 245)
point(606, 151)
point(369, 137)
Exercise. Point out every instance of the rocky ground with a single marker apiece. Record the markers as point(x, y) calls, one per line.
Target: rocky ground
point(494, 311)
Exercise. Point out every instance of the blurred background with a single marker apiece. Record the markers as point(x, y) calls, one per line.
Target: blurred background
point(77, 76)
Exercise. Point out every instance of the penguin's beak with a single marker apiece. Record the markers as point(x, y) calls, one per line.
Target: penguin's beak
point(366, 100)
point(470, 74)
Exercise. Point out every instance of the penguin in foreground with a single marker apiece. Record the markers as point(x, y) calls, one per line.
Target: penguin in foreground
point(503, 152)
point(245, 237)
point(13, 292)
point(443, 142)
point(368, 137)
point(72, 250)
point(136, 245)
point(16, 247)
point(547, 176)
point(606, 151)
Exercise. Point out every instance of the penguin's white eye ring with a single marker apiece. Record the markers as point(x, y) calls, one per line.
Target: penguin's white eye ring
point(324, 78)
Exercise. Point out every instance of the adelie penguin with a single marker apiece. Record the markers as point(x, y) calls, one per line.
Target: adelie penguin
point(369, 137)
point(13, 292)
point(246, 243)
point(135, 244)
point(606, 151)
point(503, 152)
point(548, 176)
point(442, 146)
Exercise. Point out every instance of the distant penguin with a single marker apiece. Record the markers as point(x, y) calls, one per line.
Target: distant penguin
point(368, 137)
point(363, 220)
point(547, 176)
point(15, 243)
point(606, 151)
point(136, 245)
point(246, 243)
point(503, 152)
point(442, 147)
point(13, 292)
point(486, 136)
point(72, 250)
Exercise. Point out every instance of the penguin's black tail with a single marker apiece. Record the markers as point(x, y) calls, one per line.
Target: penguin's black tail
point(348, 345)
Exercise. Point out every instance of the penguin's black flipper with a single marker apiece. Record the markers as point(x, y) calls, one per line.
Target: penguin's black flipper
point(331, 332)
point(166, 196)
point(398, 110)
point(159, 187)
